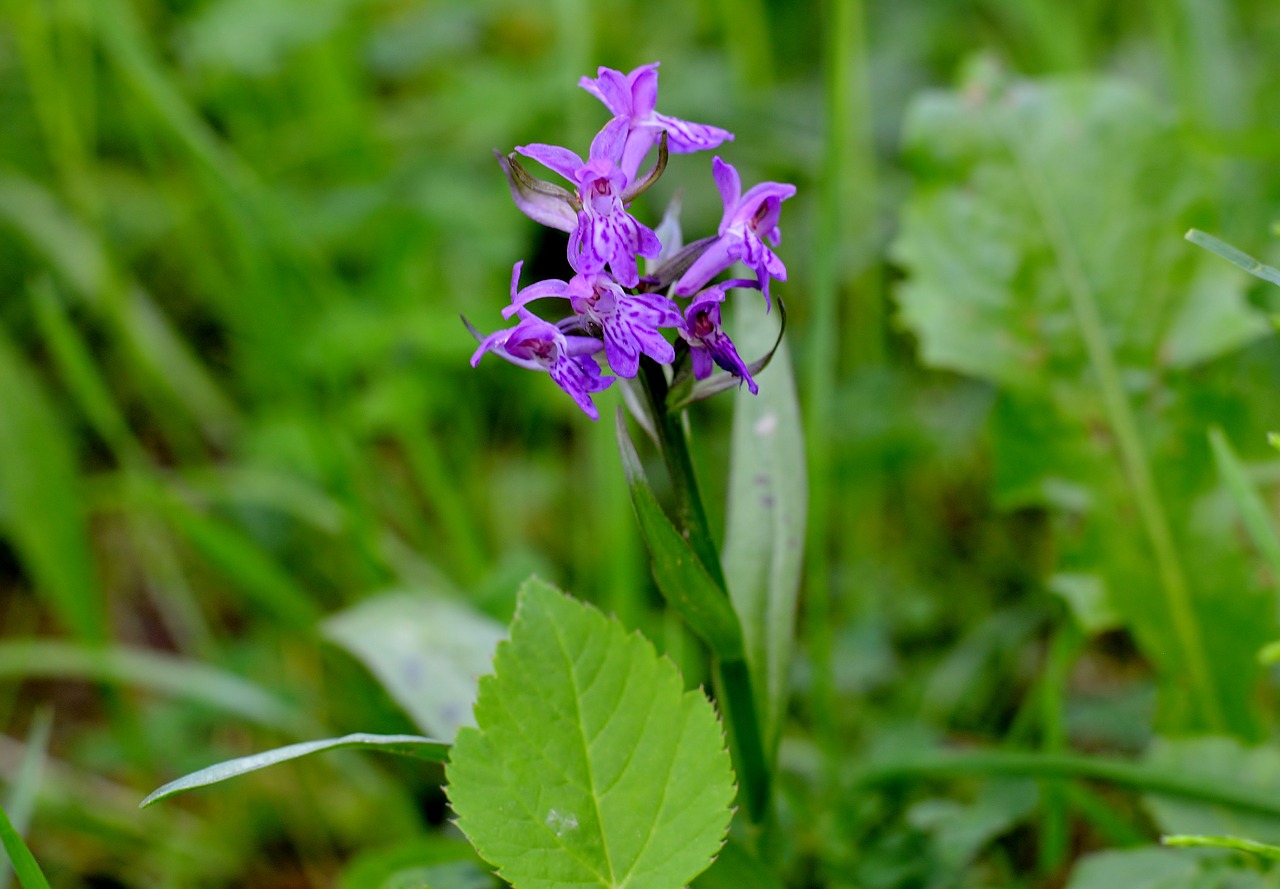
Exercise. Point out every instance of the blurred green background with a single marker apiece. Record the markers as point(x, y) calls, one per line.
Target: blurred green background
point(235, 240)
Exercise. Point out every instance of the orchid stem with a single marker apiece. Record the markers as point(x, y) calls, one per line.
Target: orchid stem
point(732, 676)
point(691, 516)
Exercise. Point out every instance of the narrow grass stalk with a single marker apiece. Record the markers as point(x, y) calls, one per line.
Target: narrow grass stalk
point(846, 217)
point(1206, 790)
point(1133, 457)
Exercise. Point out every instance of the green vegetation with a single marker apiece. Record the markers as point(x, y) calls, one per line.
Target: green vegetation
point(253, 496)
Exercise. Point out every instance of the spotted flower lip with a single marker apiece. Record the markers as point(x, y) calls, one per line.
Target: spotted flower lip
point(749, 220)
point(539, 345)
point(629, 322)
point(605, 234)
point(633, 98)
point(709, 345)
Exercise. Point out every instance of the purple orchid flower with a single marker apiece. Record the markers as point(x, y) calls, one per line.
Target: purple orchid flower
point(708, 343)
point(632, 99)
point(605, 234)
point(628, 322)
point(539, 345)
point(748, 220)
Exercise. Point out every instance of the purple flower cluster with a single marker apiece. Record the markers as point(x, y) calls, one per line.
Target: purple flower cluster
point(612, 308)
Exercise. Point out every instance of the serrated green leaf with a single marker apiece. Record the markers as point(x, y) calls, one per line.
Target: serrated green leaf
point(427, 650)
point(1012, 279)
point(986, 295)
point(405, 745)
point(591, 765)
point(765, 517)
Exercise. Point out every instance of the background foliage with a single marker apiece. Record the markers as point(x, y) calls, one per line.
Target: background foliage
point(235, 237)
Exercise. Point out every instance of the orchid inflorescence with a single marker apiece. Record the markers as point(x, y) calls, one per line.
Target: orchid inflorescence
point(614, 309)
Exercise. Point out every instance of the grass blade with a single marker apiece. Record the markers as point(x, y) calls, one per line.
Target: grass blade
point(1237, 258)
point(181, 678)
point(1239, 844)
point(404, 745)
point(26, 785)
point(1253, 512)
point(24, 863)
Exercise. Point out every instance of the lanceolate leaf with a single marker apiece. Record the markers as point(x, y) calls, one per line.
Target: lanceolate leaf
point(405, 745)
point(428, 651)
point(591, 765)
point(765, 520)
point(681, 577)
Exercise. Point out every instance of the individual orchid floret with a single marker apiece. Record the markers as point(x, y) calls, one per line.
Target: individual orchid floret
point(632, 98)
point(538, 345)
point(708, 343)
point(629, 322)
point(749, 220)
point(605, 233)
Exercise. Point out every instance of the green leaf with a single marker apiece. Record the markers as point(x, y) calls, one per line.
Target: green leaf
point(1145, 868)
point(428, 651)
point(765, 518)
point(987, 294)
point(591, 765)
point(24, 863)
point(404, 745)
point(1012, 279)
point(1226, 763)
point(680, 575)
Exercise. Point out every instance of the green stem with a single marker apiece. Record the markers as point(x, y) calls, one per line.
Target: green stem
point(746, 745)
point(1120, 418)
point(691, 516)
point(1145, 778)
point(732, 676)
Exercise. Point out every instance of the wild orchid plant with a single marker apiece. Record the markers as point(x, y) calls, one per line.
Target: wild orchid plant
point(585, 761)
point(614, 309)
